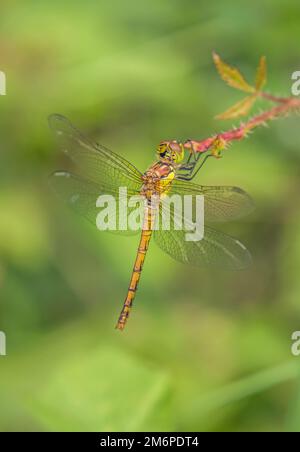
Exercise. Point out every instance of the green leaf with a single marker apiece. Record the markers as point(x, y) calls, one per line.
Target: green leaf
point(120, 393)
point(231, 75)
point(261, 74)
point(243, 388)
point(241, 108)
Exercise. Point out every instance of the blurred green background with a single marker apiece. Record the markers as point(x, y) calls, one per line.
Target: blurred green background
point(204, 350)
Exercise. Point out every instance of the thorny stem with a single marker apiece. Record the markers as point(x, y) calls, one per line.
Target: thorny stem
point(273, 98)
point(220, 141)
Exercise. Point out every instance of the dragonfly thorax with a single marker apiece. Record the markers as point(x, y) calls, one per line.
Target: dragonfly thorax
point(157, 179)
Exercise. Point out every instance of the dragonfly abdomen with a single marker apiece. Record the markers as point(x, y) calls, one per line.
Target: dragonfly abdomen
point(138, 266)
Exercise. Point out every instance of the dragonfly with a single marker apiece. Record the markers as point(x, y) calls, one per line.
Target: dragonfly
point(101, 171)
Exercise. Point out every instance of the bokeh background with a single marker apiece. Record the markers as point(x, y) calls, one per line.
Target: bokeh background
point(204, 350)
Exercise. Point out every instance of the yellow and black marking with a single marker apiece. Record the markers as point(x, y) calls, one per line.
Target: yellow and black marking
point(138, 266)
point(170, 151)
point(158, 180)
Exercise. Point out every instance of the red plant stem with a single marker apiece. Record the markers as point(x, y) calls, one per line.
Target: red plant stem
point(273, 98)
point(286, 105)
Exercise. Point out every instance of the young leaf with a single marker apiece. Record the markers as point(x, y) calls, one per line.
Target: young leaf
point(241, 108)
point(217, 146)
point(261, 74)
point(231, 75)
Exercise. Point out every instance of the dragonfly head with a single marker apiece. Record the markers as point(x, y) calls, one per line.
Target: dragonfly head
point(170, 151)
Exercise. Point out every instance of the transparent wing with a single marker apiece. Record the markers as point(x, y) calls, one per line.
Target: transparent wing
point(216, 249)
point(81, 195)
point(97, 163)
point(220, 203)
point(104, 172)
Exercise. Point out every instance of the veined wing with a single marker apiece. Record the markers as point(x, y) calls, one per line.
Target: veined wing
point(221, 203)
point(97, 163)
point(216, 249)
point(82, 194)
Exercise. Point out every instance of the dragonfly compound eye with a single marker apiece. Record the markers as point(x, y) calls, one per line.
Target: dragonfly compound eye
point(177, 150)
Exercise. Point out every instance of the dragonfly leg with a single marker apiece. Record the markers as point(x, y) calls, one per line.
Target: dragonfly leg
point(191, 170)
point(188, 165)
point(191, 154)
